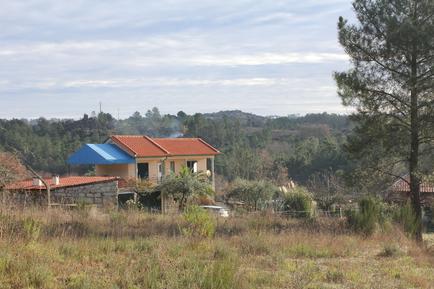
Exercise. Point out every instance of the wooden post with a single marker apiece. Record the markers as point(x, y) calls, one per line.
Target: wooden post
point(212, 173)
point(47, 186)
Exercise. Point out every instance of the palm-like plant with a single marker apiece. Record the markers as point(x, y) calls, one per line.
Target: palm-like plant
point(185, 185)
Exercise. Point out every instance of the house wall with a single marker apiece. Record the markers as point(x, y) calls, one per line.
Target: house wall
point(180, 162)
point(153, 167)
point(125, 171)
point(128, 171)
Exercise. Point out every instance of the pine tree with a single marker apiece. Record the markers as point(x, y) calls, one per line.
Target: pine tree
point(390, 85)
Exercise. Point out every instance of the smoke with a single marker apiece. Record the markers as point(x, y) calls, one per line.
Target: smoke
point(176, 134)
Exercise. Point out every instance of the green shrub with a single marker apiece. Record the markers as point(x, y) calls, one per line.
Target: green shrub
point(199, 223)
point(366, 219)
point(299, 203)
point(255, 194)
point(407, 218)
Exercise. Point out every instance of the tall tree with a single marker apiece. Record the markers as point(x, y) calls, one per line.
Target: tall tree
point(391, 85)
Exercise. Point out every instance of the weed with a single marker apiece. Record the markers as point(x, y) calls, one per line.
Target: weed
point(334, 276)
point(308, 251)
point(199, 223)
point(390, 250)
point(78, 281)
point(32, 229)
point(39, 277)
point(222, 274)
point(143, 246)
point(254, 245)
point(147, 251)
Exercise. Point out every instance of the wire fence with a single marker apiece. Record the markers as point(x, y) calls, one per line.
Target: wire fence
point(318, 213)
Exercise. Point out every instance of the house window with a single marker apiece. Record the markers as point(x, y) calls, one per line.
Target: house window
point(209, 164)
point(172, 167)
point(143, 170)
point(192, 165)
point(160, 171)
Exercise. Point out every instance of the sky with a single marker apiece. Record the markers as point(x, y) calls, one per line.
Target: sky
point(60, 59)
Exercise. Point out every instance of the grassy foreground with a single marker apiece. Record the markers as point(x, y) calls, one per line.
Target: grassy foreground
point(64, 249)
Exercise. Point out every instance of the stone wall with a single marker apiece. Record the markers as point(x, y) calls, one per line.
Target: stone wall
point(101, 194)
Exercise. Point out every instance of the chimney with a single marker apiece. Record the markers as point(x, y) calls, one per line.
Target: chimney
point(56, 180)
point(37, 182)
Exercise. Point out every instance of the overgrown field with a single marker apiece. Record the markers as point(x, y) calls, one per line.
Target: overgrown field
point(82, 249)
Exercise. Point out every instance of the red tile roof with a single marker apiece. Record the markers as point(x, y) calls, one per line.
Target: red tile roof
point(64, 182)
point(186, 146)
point(402, 186)
point(139, 145)
point(143, 146)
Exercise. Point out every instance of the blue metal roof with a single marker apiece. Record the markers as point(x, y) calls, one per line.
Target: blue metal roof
point(100, 154)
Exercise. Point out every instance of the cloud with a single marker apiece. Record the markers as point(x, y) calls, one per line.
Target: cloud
point(270, 58)
point(53, 84)
point(236, 50)
point(183, 54)
point(145, 82)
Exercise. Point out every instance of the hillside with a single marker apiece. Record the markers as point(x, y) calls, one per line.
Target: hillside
point(253, 146)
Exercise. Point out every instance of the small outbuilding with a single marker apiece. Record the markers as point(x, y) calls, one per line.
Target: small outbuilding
point(400, 192)
point(96, 190)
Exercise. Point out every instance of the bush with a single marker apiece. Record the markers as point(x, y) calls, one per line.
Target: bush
point(365, 220)
point(299, 203)
point(407, 218)
point(373, 213)
point(199, 223)
point(255, 194)
point(133, 205)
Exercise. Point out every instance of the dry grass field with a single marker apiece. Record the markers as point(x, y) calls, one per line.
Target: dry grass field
point(82, 249)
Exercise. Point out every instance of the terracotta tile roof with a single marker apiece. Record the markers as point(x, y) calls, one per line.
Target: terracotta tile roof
point(402, 186)
point(64, 182)
point(139, 145)
point(186, 146)
point(144, 146)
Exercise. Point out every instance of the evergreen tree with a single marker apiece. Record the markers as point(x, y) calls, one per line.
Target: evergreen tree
point(391, 85)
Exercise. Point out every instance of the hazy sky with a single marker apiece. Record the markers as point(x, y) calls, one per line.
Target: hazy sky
point(276, 57)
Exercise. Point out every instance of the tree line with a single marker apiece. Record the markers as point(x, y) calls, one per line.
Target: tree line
point(253, 147)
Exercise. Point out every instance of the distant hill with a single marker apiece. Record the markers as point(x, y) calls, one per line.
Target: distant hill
point(245, 118)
